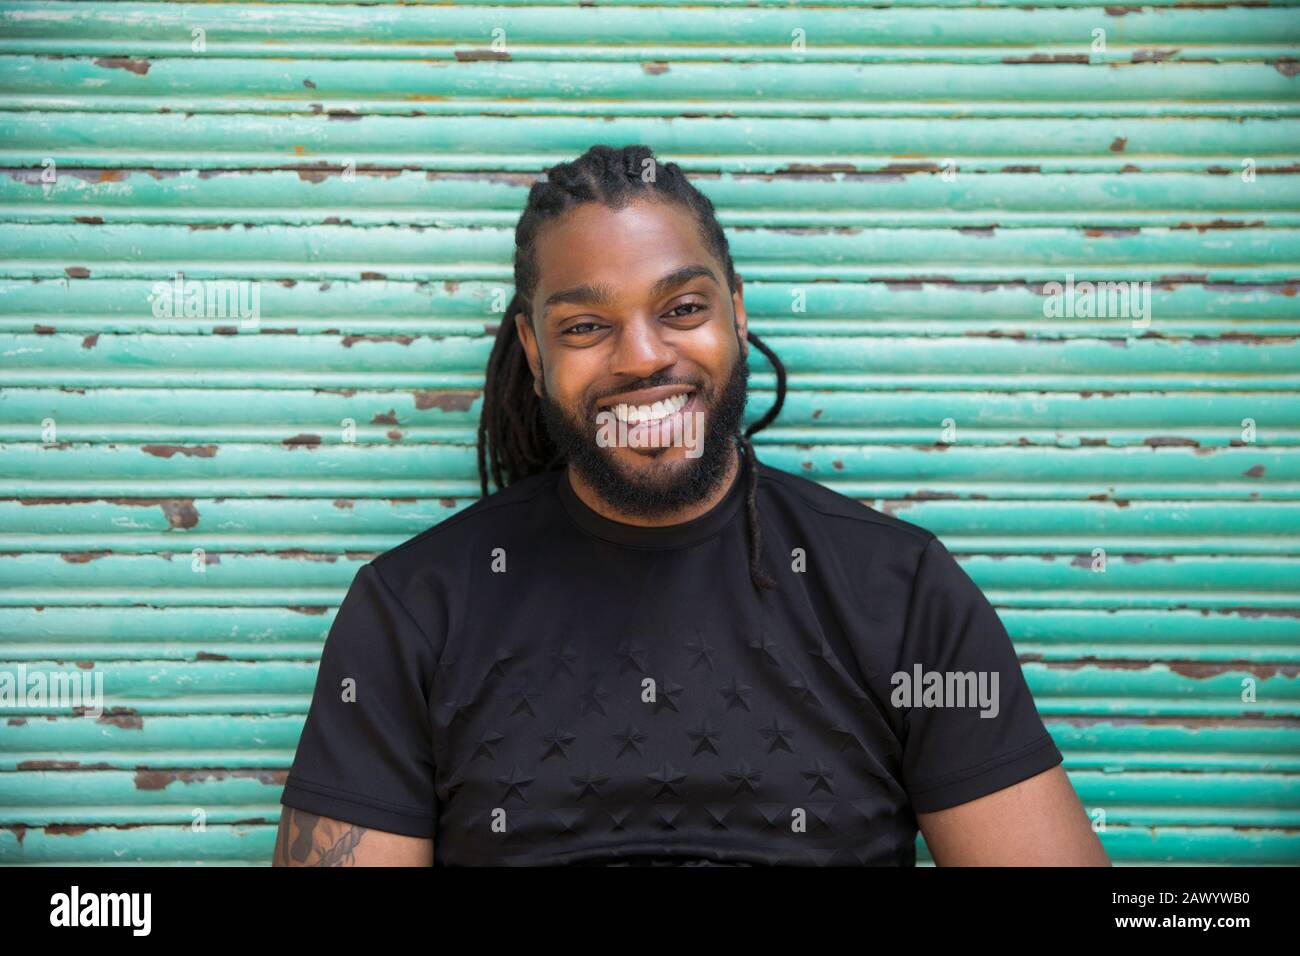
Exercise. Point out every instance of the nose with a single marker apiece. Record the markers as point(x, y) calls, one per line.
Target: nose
point(640, 350)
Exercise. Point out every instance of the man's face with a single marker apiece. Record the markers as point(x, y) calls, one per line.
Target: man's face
point(636, 337)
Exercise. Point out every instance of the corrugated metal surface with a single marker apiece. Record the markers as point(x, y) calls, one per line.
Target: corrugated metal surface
point(919, 172)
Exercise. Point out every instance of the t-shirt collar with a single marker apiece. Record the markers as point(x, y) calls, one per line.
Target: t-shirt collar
point(662, 536)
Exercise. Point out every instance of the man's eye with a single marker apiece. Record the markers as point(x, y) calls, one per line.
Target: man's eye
point(581, 328)
point(693, 306)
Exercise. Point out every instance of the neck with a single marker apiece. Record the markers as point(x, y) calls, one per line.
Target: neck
point(588, 496)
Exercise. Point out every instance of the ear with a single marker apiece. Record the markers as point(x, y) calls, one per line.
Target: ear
point(524, 329)
point(742, 321)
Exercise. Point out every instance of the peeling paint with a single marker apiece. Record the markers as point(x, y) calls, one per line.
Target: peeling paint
point(447, 401)
point(189, 451)
point(137, 66)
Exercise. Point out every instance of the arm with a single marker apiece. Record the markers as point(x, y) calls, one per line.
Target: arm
point(1036, 822)
point(305, 839)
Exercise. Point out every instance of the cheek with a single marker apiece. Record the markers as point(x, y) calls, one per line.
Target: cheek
point(569, 378)
point(714, 352)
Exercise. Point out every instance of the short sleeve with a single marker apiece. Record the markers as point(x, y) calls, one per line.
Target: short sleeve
point(970, 723)
point(366, 751)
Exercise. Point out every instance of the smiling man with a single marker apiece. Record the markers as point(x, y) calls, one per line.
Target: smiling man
point(648, 650)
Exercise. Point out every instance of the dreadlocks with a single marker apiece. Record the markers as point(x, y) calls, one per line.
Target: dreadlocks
point(512, 440)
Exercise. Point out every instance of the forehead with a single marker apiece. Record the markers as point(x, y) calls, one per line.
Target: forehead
point(628, 248)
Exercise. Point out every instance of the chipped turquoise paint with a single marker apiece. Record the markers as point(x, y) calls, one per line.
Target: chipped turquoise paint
point(366, 164)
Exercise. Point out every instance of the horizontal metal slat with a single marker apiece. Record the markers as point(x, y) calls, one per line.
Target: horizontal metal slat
point(702, 143)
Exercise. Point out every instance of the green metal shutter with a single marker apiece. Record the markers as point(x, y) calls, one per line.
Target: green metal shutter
point(911, 176)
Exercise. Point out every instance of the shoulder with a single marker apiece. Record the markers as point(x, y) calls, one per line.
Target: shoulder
point(839, 514)
point(441, 546)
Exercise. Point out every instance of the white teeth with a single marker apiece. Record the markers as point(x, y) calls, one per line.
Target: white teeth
point(636, 414)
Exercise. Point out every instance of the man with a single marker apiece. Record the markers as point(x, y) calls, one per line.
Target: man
point(649, 647)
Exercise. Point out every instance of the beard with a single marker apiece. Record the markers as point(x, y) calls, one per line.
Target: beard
point(668, 488)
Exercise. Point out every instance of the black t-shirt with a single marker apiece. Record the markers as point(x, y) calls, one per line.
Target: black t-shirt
point(529, 682)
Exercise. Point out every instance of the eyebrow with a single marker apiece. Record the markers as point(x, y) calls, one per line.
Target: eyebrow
point(603, 295)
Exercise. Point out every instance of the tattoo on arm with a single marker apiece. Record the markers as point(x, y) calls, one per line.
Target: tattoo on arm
point(305, 839)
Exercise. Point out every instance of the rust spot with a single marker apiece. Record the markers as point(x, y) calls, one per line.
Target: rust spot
point(161, 779)
point(1022, 169)
point(1047, 58)
point(82, 557)
point(451, 286)
point(77, 272)
point(89, 220)
point(373, 276)
point(16, 721)
point(208, 656)
point(1110, 233)
point(1256, 472)
point(388, 418)
point(1287, 66)
point(1118, 143)
point(225, 330)
point(1130, 168)
point(167, 451)
point(821, 168)
point(924, 494)
point(343, 115)
point(307, 609)
point(180, 513)
point(985, 232)
point(1220, 224)
point(817, 413)
point(1254, 338)
point(655, 67)
point(469, 56)
point(1154, 56)
point(394, 434)
point(1093, 442)
point(343, 503)
point(1162, 441)
point(90, 341)
point(64, 829)
point(445, 401)
point(309, 84)
point(1201, 671)
point(351, 340)
point(1120, 11)
point(447, 502)
point(138, 67)
point(313, 175)
point(123, 721)
point(837, 465)
point(44, 329)
point(911, 168)
point(301, 439)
